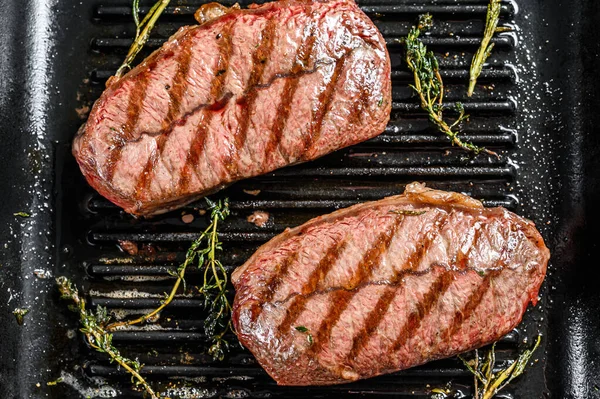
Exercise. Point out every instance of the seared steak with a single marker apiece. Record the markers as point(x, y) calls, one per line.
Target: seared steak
point(386, 285)
point(243, 94)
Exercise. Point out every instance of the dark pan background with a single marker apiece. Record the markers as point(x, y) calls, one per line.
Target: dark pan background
point(539, 108)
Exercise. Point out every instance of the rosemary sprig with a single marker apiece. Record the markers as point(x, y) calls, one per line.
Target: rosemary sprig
point(487, 382)
point(95, 331)
point(485, 49)
point(430, 87)
point(142, 32)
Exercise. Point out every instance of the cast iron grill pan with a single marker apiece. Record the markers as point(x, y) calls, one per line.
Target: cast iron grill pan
point(174, 349)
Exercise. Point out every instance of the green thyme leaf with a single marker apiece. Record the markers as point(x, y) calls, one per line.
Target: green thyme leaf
point(93, 326)
point(20, 314)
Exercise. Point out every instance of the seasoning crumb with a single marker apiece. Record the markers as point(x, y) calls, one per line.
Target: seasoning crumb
point(129, 246)
point(55, 382)
point(20, 314)
point(42, 274)
point(252, 192)
point(259, 218)
point(188, 218)
point(202, 212)
point(83, 111)
point(186, 358)
point(148, 251)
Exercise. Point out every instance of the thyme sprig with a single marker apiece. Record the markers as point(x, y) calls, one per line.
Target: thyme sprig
point(429, 86)
point(142, 32)
point(214, 288)
point(487, 382)
point(202, 254)
point(485, 49)
point(97, 326)
point(94, 328)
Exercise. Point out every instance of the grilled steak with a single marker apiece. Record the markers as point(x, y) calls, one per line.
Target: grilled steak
point(243, 94)
point(386, 285)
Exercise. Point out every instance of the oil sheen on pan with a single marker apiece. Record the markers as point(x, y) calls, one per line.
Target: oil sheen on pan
point(245, 93)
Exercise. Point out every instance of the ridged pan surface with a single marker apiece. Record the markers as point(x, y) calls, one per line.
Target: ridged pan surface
point(534, 105)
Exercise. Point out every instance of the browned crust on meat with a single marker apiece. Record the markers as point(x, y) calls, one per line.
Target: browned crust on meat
point(149, 198)
point(272, 301)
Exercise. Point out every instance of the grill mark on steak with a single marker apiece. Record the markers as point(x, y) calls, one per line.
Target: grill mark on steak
point(424, 307)
point(302, 58)
point(324, 105)
point(339, 302)
point(176, 93)
point(278, 276)
point(427, 239)
point(477, 296)
point(298, 303)
point(259, 62)
point(376, 316)
point(463, 257)
point(365, 268)
point(134, 110)
point(216, 92)
point(372, 322)
point(178, 86)
point(473, 302)
point(372, 257)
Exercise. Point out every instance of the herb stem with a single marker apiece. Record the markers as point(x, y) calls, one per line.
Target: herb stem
point(96, 335)
point(429, 86)
point(211, 256)
point(483, 372)
point(214, 288)
point(485, 49)
point(143, 30)
point(180, 278)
